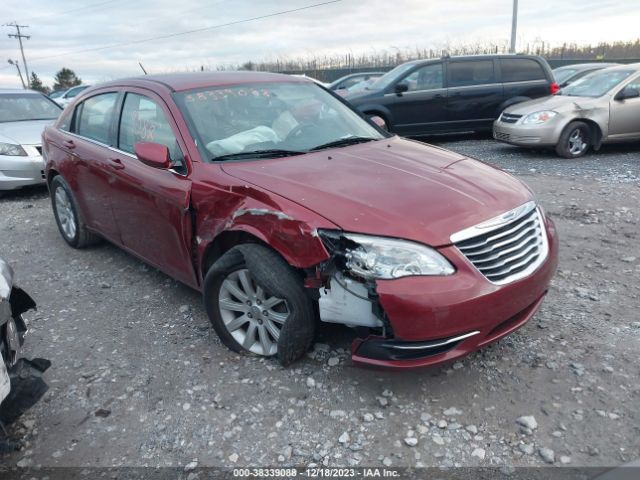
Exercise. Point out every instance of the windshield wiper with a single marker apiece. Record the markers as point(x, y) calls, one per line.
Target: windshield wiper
point(273, 153)
point(343, 142)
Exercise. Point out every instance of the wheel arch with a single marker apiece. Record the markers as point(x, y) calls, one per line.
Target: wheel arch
point(224, 242)
point(596, 131)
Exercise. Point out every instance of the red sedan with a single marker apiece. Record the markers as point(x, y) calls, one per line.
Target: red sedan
point(287, 208)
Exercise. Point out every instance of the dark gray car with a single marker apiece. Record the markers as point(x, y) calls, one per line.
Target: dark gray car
point(454, 94)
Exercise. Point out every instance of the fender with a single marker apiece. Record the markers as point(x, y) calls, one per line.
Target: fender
point(377, 109)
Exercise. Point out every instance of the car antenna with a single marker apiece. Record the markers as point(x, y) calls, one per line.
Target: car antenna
point(145, 72)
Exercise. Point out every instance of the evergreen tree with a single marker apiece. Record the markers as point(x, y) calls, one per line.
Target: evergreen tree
point(36, 84)
point(65, 79)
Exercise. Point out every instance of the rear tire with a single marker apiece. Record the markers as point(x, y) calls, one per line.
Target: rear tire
point(248, 281)
point(575, 140)
point(65, 209)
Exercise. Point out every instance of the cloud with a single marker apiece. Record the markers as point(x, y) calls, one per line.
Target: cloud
point(60, 34)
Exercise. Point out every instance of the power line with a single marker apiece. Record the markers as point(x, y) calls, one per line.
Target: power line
point(19, 36)
point(73, 10)
point(186, 32)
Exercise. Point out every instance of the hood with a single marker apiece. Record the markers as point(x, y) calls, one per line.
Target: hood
point(362, 96)
point(24, 133)
point(392, 187)
point(558, 103)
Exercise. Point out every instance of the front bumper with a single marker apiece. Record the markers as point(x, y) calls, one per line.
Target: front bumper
point(17, 172)
point(527, 135)
point(438, 319)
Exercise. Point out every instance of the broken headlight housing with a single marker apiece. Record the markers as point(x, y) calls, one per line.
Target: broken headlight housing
point(384, 258)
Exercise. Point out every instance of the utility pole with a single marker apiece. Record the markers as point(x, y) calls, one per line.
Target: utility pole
point(15, 62)
point(20, 36)
point(514, 27)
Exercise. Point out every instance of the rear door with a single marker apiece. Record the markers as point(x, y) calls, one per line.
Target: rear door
point(86, 146)
point(624, 115)
point(523, 77)
point(474, 94)
point(421, 109)
point(151, 205)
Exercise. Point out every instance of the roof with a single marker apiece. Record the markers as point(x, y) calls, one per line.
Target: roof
point(194, 80)
point(587, 66)
point(17, 90)
point(483, 56)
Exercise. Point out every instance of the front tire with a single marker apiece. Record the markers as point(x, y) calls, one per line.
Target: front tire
point(575, 140)
point(256, 303)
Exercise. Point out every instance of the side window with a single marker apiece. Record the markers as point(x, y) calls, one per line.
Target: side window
point(143, 120)
point(428, 77)
point(635, 84)
point(95, 116)
point(65, 120)
point(521, 70)
point(474, 72)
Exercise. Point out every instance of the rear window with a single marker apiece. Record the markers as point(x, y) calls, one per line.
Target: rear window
point(521, 70)
point(96, 114)
point(475, 72)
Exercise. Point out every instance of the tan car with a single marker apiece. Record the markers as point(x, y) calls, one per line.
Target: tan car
point(603, 107)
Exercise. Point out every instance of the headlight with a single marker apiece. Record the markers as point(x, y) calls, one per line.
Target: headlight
point(538, 118)
point(12, 150)
point(387, 258)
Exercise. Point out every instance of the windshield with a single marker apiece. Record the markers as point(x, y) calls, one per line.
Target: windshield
point(595, 84)
point(563, 74)
point(272, 118)
point(388, 78)
point(19, 107)
point(73, 92)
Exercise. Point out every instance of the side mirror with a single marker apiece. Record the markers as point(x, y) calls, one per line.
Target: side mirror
point(627, 92)
point(379, 121)
point(153, 154)
point(401, 88)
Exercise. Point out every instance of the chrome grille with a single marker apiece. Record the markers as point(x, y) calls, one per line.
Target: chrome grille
point(510, 118)
point(508, 247)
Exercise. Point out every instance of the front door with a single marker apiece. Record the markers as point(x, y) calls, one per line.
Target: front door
point(151, 205)
point(421, 109)
point(624, 115)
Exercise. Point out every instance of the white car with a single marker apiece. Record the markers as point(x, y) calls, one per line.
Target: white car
point(23, 116)
point(67, 97)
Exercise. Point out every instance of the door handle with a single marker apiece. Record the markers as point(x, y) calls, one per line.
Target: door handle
point(115, 163)
point(69, 144)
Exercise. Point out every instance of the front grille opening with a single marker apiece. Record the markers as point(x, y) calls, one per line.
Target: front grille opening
point(39, 149)
point(510, 118)
point(510, 251)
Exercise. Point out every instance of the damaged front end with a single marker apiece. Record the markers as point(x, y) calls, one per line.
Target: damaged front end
point(21, 383)
point(347, 291)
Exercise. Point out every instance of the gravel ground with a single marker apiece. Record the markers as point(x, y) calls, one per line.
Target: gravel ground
point(139, 379)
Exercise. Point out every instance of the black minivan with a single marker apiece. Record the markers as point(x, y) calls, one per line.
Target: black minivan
point(454, 94)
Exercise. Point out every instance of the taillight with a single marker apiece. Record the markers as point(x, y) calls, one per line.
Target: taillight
point(554, 88)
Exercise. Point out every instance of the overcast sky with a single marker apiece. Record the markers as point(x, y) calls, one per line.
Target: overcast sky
point(60, 30)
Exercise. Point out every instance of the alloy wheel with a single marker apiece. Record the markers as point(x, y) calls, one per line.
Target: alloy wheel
point(65, 213)
point(250, 315)
point(577, 142)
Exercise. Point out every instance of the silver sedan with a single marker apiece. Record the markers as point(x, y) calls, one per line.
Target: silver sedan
point(603, 107)
point(23, 116)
